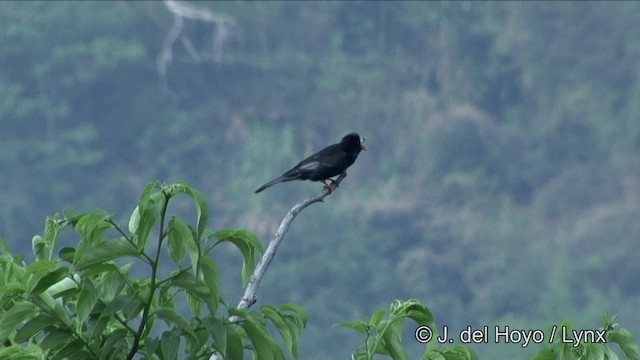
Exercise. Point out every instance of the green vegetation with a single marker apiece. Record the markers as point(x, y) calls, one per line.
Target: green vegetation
point(87, 302)
point(501, 186)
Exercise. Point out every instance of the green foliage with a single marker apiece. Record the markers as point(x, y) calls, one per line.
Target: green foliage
point(566, 344)
point(383, 335)
point(87, 301)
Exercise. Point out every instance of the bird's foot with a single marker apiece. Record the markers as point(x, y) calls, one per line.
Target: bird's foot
point(332, 186)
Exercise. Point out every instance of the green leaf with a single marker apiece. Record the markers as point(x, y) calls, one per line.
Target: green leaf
point(52, 228)
point(133, 308)
point(626, 342)
point(358, 326)
point(105, 251)
point(112, 283)
point(201, 209)
point(235, 348)
point(179, 236)
point(117, 304)
point(74, 347)
point(376, 318)
point(16, 314)
point(151, 344)
point(39, 247)
point(91, 226)
point(50, 279)
point(391, 343)
point(34, 326)
point(170, 344)
point(264, 346)
point(148, 214)
point(456, 352)
point(145, 214)
point(211, 280)
point(289, 336)
point(55, 339)
point(218, 333)
point(297, 312)
point(249, 246)
point(38, 269)
point(86, 301)
point(114, 343)
point(66, 254)
point(170, 316)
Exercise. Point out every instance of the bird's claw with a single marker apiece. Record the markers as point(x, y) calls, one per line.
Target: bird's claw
point(332, 186)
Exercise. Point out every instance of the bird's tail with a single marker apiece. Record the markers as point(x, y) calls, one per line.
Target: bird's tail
point(272, 182)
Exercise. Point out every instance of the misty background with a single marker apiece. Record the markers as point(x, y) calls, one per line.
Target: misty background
point(501, 185)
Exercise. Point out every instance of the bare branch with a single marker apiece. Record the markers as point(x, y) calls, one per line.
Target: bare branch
point(250, 293)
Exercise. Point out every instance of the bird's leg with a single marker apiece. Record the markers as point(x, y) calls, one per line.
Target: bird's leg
point(334, 184)
point(327, 186)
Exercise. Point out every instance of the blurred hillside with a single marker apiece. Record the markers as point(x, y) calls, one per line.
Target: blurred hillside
point(502, 184)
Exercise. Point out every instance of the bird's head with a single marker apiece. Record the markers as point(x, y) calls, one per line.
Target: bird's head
point(354, 142)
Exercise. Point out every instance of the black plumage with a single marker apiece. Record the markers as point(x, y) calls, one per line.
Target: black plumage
point(326, 163)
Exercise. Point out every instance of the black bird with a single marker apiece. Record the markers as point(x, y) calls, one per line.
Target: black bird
point(326, 163)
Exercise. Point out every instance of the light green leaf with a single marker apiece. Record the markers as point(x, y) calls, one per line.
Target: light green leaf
point(104, 251)
point(264, 346)
point(211, 280)
point(289, 337)
point(626, 342)
point(16, 314)
point(249, 246)
point(201, 209)
point(86, 301)
point(34, 326)
point(179, 236)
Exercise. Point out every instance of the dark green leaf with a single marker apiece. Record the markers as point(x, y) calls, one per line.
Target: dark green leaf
point(70, 348)
point(115, 343)
point(171, 317)
point(170, 344)
point(66, 254)
point(50, 279)
point(56, 338)
point(218, 333)
point(133, 308)
point(34, 326)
